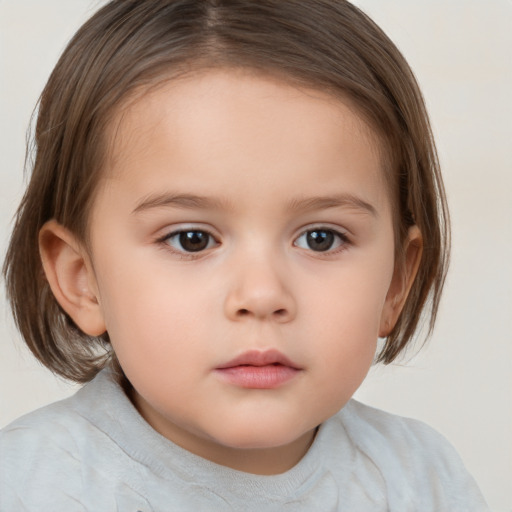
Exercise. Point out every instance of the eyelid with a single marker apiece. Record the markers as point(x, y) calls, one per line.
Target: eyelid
point(341, 233)
point(324, 226)
point(169, 231)
point(184, 228)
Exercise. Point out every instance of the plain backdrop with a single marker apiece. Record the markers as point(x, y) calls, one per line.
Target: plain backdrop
point(460, 382)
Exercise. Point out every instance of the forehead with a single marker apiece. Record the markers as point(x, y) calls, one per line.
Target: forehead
point(247, 121)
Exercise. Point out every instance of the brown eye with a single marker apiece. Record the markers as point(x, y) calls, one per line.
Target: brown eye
point(320, 240)
point(190, 241)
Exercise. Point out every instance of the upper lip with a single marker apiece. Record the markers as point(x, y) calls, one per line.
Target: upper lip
point(259, 358)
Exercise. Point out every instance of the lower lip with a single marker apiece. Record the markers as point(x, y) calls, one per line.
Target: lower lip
point(258, 377)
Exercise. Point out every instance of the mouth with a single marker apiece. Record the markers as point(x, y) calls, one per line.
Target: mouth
point(258, 370)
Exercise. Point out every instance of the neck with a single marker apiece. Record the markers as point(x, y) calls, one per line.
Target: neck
point(259, 461)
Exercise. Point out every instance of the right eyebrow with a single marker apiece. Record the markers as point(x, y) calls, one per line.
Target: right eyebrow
point(185, 201)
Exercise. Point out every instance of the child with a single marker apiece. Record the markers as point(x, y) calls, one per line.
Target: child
point(230, 202)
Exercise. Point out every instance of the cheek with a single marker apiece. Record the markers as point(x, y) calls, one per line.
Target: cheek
point(350, 299)
point(344, 338)
point(154, 320)
point(343, 319)
point(149, 316)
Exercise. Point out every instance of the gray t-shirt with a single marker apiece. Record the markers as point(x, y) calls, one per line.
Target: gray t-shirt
point(94, 452)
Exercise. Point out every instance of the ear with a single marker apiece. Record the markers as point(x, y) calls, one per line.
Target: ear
point(71, 277)
point(402, 281)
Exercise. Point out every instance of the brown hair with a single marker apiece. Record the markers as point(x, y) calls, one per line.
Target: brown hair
point(131, 44)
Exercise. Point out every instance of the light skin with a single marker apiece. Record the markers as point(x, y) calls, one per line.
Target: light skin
point(283, 196)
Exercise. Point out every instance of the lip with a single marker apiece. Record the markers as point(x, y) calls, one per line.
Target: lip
point(259, 358)
point(255, 369)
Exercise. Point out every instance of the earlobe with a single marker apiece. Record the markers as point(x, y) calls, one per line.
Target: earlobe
point(403, 279)
point(70, 275)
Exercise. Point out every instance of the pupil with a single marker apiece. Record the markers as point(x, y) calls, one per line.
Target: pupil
point(193, 241)
point(320, 240)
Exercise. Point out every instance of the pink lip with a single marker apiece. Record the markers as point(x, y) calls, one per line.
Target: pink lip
point(258, 370)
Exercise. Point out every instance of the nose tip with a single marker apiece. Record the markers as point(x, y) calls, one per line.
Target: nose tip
point(260, 294)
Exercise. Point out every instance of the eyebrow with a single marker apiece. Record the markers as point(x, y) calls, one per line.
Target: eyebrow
point(185, 201)
point(301, 204)
point(336, 201)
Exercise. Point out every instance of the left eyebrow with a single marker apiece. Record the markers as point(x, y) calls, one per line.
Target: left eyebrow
point(185, 201)
point(351, 201)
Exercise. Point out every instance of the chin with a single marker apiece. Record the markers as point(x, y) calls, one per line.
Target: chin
point(264, 436)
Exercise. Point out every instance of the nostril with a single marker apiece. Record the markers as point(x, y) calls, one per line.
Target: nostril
point(243, 312)
point(280, 312)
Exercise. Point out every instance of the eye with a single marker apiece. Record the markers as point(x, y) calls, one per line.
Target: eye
point(191, 240)
point(321, 240)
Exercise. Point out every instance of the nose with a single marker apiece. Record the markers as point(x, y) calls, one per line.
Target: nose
point(258, 291)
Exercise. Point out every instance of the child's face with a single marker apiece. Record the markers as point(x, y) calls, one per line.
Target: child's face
point(241, 215)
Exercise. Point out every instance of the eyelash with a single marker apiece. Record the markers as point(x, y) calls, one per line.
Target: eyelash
point(343, 241)
point(184, 254)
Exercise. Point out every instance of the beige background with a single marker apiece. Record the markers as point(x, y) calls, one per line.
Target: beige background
point(461, 51)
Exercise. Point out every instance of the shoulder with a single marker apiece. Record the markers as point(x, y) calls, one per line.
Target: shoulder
point(370, 426)
point(48, 455)
point(392, 441)
point(416, 462)
point(47, 421)
point(38, 450)
point(389, 437)
point(61, 427)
